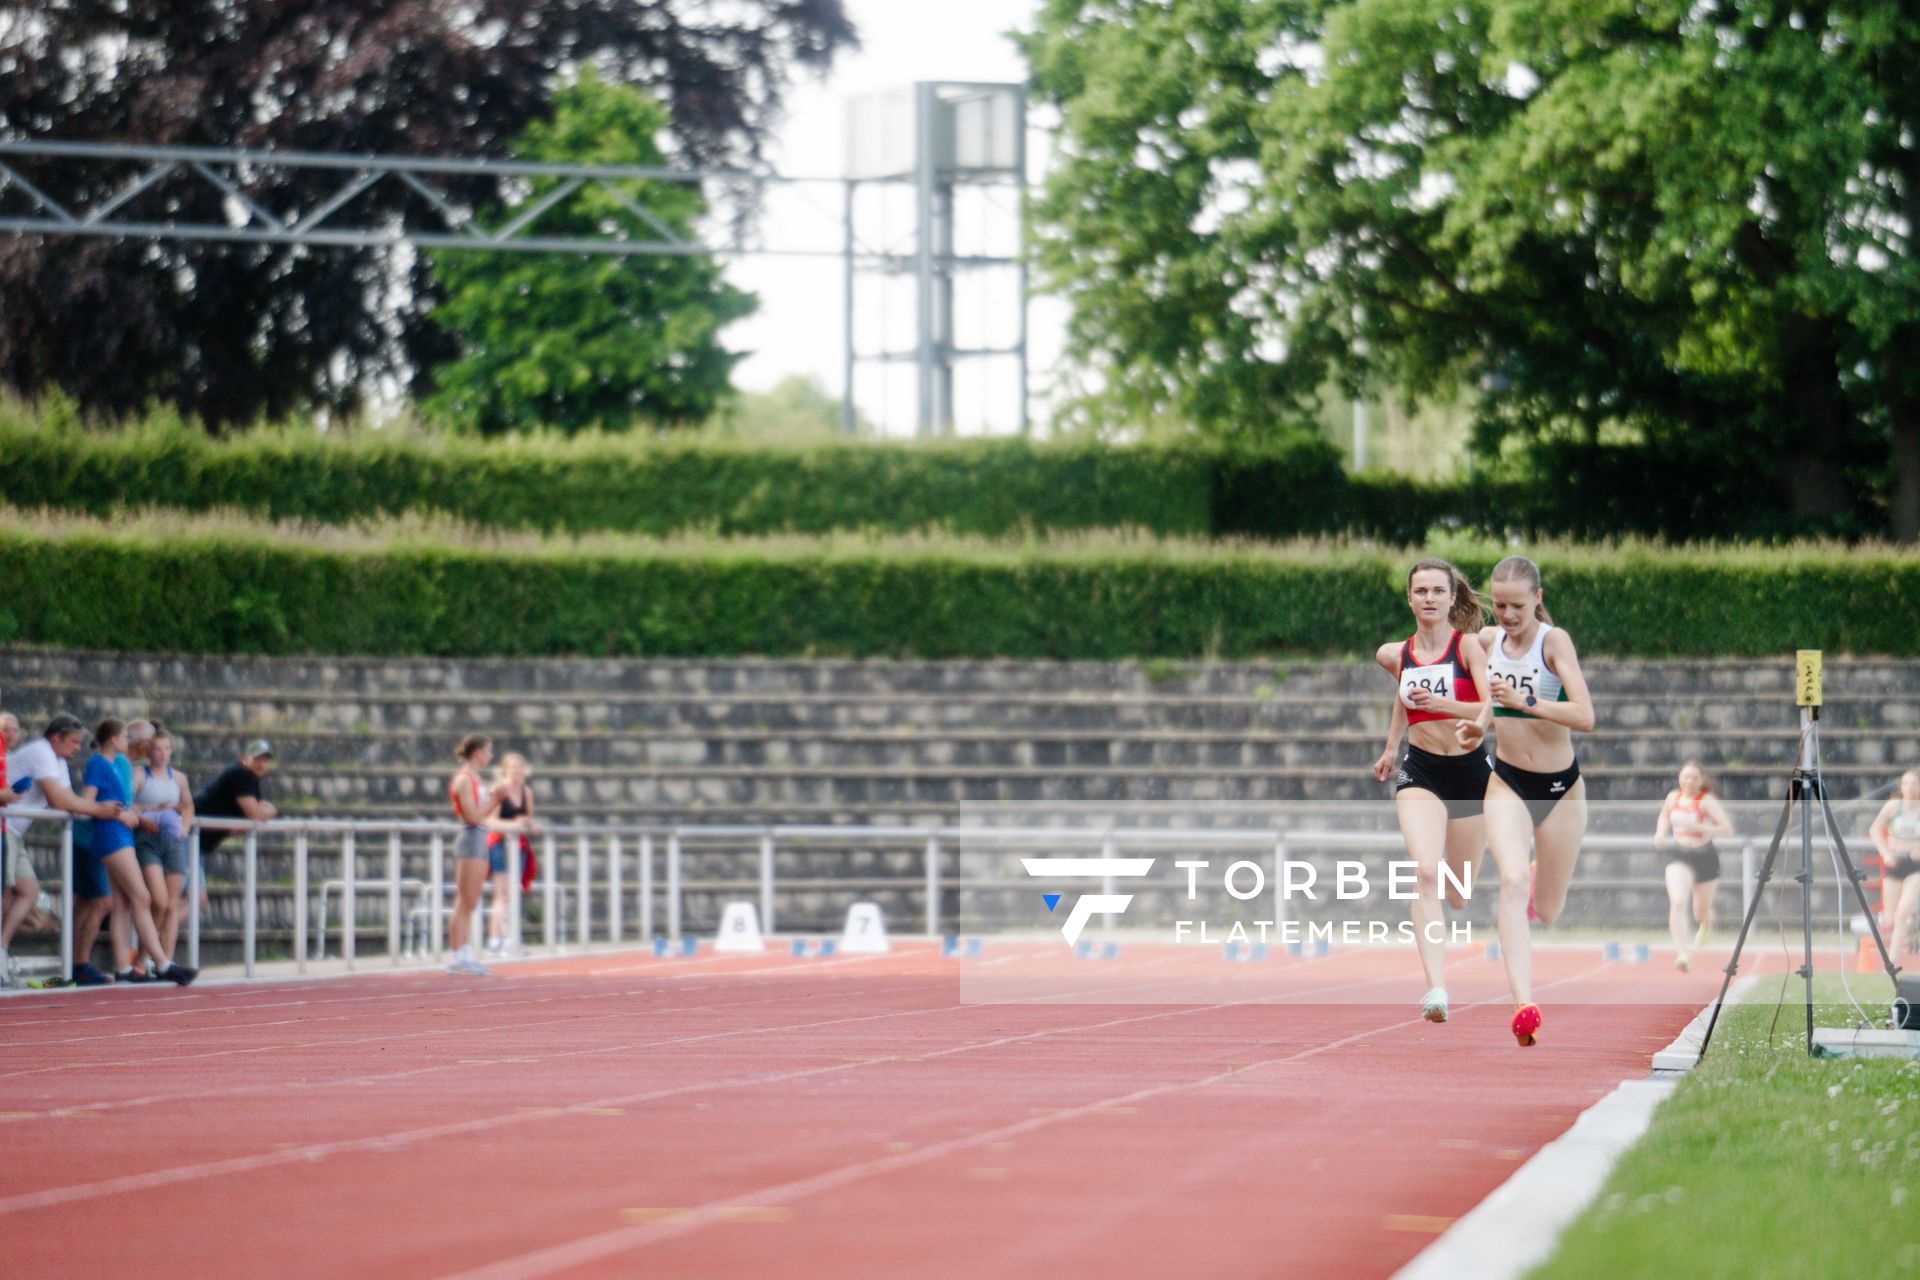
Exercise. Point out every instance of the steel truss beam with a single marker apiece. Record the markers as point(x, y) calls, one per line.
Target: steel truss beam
point(327, 217)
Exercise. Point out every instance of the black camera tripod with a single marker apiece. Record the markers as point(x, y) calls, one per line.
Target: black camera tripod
point(1807, 787)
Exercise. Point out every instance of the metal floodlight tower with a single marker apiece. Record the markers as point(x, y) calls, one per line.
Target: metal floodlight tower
point(946, 140)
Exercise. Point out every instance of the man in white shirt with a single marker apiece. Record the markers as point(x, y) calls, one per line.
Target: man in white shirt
point(38, 776)
point(19, 890)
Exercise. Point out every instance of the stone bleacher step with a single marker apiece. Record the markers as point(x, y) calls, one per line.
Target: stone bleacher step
point(581, 790)
point(426, 676)
point(906, 748)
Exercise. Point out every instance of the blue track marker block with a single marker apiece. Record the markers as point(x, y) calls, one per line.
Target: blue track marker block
point(972, 947)
point(1322, 948)
point(828, 946)
point(1233, 951)
point(949, 946)
point(1642, 953)
point(798, 946)
point(1293, 949)
point(1493, 949)
point(1110, 952)
point(1259, 951)
point(1083, 949)
point(1611, 951)
point(659, 946)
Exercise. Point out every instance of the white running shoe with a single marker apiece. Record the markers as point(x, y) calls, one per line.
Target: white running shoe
point(468, 967)
point(497, 947)
point(1433, 1006)
point(1683, 962)
point(1702, 935)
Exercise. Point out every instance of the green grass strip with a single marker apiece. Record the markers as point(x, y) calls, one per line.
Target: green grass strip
point(1766, 1164)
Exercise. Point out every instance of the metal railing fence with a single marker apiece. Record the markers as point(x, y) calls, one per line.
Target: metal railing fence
point(611, 850)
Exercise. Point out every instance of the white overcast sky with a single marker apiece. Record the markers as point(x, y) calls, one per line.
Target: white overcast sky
point(798, 327)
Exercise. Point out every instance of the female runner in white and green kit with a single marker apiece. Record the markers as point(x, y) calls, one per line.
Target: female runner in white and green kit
point(1540, 700)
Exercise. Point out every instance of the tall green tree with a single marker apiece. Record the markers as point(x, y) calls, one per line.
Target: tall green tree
point(1684, 229)
point(577, 341)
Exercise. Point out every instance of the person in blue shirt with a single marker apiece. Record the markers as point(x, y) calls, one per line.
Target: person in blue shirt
point(127, 965)
point(110, 866)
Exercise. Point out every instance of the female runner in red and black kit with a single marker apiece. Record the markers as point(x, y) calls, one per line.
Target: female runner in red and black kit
point(1441, 786)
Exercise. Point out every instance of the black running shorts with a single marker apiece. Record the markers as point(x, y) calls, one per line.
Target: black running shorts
point(1459, 780)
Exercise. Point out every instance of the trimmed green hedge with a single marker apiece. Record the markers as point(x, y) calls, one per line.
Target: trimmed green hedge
point(971, 487)
point(977, 487)
point(228, 589)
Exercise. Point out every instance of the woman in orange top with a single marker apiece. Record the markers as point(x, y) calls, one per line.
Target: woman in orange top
point(473, 805)
point(1692, 814)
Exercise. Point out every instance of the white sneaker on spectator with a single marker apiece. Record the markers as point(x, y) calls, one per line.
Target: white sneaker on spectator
point(466, 965)
point(497, 947)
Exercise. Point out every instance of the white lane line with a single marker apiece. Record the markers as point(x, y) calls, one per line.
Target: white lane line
point(317, 1151)
point(667, 987)
point(1684, 1053)
point(500, 1054)
point(1552, 1189)
point(1546, 1193)
point(169, 1057)
point(619, 1240)
point(608, 1244)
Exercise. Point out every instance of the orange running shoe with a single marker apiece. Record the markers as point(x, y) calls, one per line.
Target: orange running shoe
point(1526, 1024)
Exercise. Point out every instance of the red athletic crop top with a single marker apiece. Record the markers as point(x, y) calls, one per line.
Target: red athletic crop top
point(1447, 678)
point(453, 795)
point(1693, 808)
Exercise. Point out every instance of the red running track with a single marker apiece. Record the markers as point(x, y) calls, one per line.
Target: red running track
point(759, 1116)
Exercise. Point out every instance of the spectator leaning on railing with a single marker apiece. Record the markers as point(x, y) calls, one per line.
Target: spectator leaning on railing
point(19, 890)
point(235, 792)
point(40, 779)
point(513, 822)
point(110, 868)
point(129, 963)
point(164, 801)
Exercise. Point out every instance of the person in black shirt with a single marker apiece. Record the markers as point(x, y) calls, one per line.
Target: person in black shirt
point(235, 793)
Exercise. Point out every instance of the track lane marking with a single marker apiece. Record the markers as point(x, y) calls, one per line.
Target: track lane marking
point(619, 1240)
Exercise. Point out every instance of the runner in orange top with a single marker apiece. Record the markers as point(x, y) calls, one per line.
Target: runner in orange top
point(1693, 816)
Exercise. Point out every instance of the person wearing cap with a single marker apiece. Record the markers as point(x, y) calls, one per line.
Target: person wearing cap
point(235, 792)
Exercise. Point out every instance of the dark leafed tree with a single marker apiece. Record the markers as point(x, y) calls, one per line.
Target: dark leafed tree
point(233, 333)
